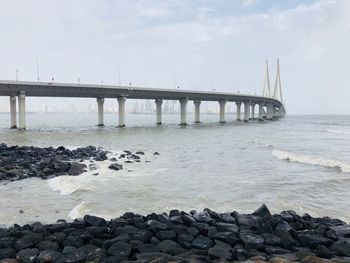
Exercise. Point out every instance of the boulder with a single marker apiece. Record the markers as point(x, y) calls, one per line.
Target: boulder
point(116, 166)
point(27, 255)
point(76, 168)
point(341, 247)
point(166, 234)
point(94, 221)
point(48, 256)
point(250, 240)
point(120, 249)
point(7, 253)
point(170, 247)
point(262, 211)
point(202, 243)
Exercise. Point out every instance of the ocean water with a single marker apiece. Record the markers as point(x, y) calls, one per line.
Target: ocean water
point(298, 162)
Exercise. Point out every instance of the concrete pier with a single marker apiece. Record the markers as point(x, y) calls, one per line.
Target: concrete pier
point(197, 105)
point(261, 111)
point(252, 113)
point(269, 113)
point(246, 111)
point(121, 104)
point(100, 102)
point(183, 111)
point(222, 104)
point(238, 112)
point(22, 111)
point(13, 112)
point(159, 111)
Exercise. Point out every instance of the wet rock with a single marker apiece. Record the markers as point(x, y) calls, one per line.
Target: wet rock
point(250, 240)
point(94, 221)
point(307, 238)
point(324, 252)
point(77, 168)
point(166, 234)
point(156, 153)
point(226, 227)
point(48, 245)
point(221, 250)
point(7, 253)
point(185, 240)
point(27, 241)
point(73, 241)
point(47, 256)
point(341, 231)
point(170, 247)
point(202, 243)
point(341, 247)
point(116, 166)
point(27, 255)
point(262, 211)
point(120, 249)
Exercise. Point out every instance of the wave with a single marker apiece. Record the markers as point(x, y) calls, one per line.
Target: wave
point(339, 131)
point(79, 210)
point(313, 160)
point(67, 185)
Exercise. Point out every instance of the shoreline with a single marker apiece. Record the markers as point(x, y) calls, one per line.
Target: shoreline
point(22, 162)
point(181, 237)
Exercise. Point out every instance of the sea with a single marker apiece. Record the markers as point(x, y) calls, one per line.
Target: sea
point(299, 163)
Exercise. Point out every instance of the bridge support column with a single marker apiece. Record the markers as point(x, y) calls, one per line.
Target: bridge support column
point(13, 112)
point(269, 110)
point(121, 104)
point(261, 111)
point(246, 110)
point(183, 110)
point(197, 105)
point(22, 111)
point(100, 102)
point(222, 104)
point(238, 112)
point(159, 111)
point(252, 113)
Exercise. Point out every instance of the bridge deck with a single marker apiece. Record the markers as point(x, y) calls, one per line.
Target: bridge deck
point(53, 89)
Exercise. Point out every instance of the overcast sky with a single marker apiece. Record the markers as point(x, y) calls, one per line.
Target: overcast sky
point(198, 44)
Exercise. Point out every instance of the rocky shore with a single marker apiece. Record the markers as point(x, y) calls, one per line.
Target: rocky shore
point(21, 162)
point(181, 237)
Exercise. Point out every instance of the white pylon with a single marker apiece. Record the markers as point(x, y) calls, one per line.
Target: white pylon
point(266, 87)
point(277, 94)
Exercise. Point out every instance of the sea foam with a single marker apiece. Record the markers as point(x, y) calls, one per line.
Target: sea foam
point(347, 132)
point(79, 210)
point(313, 160)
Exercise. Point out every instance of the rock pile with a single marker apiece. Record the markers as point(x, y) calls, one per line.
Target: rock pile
point(181, 237)
point(20, 162)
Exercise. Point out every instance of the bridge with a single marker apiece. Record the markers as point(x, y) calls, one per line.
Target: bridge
point(270, 105)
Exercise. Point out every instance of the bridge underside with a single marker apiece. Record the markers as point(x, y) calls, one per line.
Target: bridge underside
point(269, 108)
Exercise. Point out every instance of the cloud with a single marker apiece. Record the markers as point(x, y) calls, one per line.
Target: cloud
point(198, 42)
point(247, 3)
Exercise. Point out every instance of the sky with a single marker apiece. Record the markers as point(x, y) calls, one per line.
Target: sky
point(193, 44)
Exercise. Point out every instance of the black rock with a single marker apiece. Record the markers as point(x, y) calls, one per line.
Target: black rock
point(77, 168)
point(202, 243)
point(120, 249)
point(28, 241)
point(226, 227)
point(306, 238)
point(227, 237)
point(250, 240)
point(166, 234)
point(170, 247)
point(221, 250)
point(185, 240)
point(193, 231)
point(341, 231)
point(48, 256)
point(27, 255)
point(116, 166)
point(48, 245)
point(7, 253)
point(73, 241)
point(262, 211)
point(341, 247)
point(94, 221)
point(271, 239)
point(324, 252)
